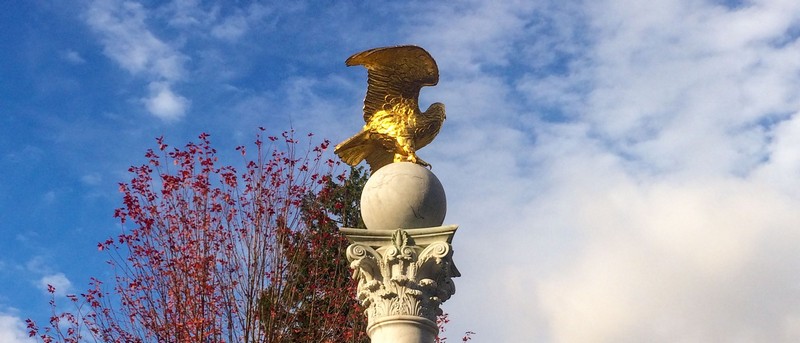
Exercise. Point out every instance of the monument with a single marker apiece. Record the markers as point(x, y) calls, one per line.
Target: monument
point(403, 260)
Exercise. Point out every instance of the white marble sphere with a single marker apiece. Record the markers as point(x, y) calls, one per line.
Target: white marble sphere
point(403, 195)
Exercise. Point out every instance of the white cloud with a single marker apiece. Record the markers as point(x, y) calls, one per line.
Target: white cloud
point(188, 13)
point(231, 28)
point(73, 57)
point(92, 179)
point(164, 103)
point(234, 26)
point(127, 40)
point(226, 22)
point(672, 260)
point(12, 329)
point(783, 164)
point(49, 197)
point(667, 79)
point(59, 281)
point(634, 179)
point(472, 35)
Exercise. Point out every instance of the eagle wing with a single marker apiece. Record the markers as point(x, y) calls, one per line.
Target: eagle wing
point(395, 76)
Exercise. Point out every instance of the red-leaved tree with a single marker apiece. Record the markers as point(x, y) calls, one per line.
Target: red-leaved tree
point(214, 253)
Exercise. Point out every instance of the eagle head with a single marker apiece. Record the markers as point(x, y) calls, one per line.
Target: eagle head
point(436, 111)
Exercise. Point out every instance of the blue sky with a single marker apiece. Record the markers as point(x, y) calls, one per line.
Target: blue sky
point(621, 171)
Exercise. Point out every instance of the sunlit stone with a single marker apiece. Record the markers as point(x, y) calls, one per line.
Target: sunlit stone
point(403, 195)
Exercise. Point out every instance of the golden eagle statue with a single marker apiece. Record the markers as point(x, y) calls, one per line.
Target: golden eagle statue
point(395, 128)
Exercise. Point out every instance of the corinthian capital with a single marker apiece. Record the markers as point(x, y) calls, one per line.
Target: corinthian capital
point(403, 272)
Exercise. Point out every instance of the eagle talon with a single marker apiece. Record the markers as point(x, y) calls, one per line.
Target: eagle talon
point(424, 164)
point(413, 158)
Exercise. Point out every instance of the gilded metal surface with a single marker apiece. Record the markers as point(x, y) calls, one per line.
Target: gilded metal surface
point(395, 127)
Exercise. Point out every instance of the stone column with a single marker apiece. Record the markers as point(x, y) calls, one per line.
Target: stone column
point(403, 264)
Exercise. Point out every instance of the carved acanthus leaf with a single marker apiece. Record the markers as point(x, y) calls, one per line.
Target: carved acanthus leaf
point(403, 279)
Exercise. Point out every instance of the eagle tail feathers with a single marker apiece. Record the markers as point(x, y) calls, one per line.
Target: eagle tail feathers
point(354, 150)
